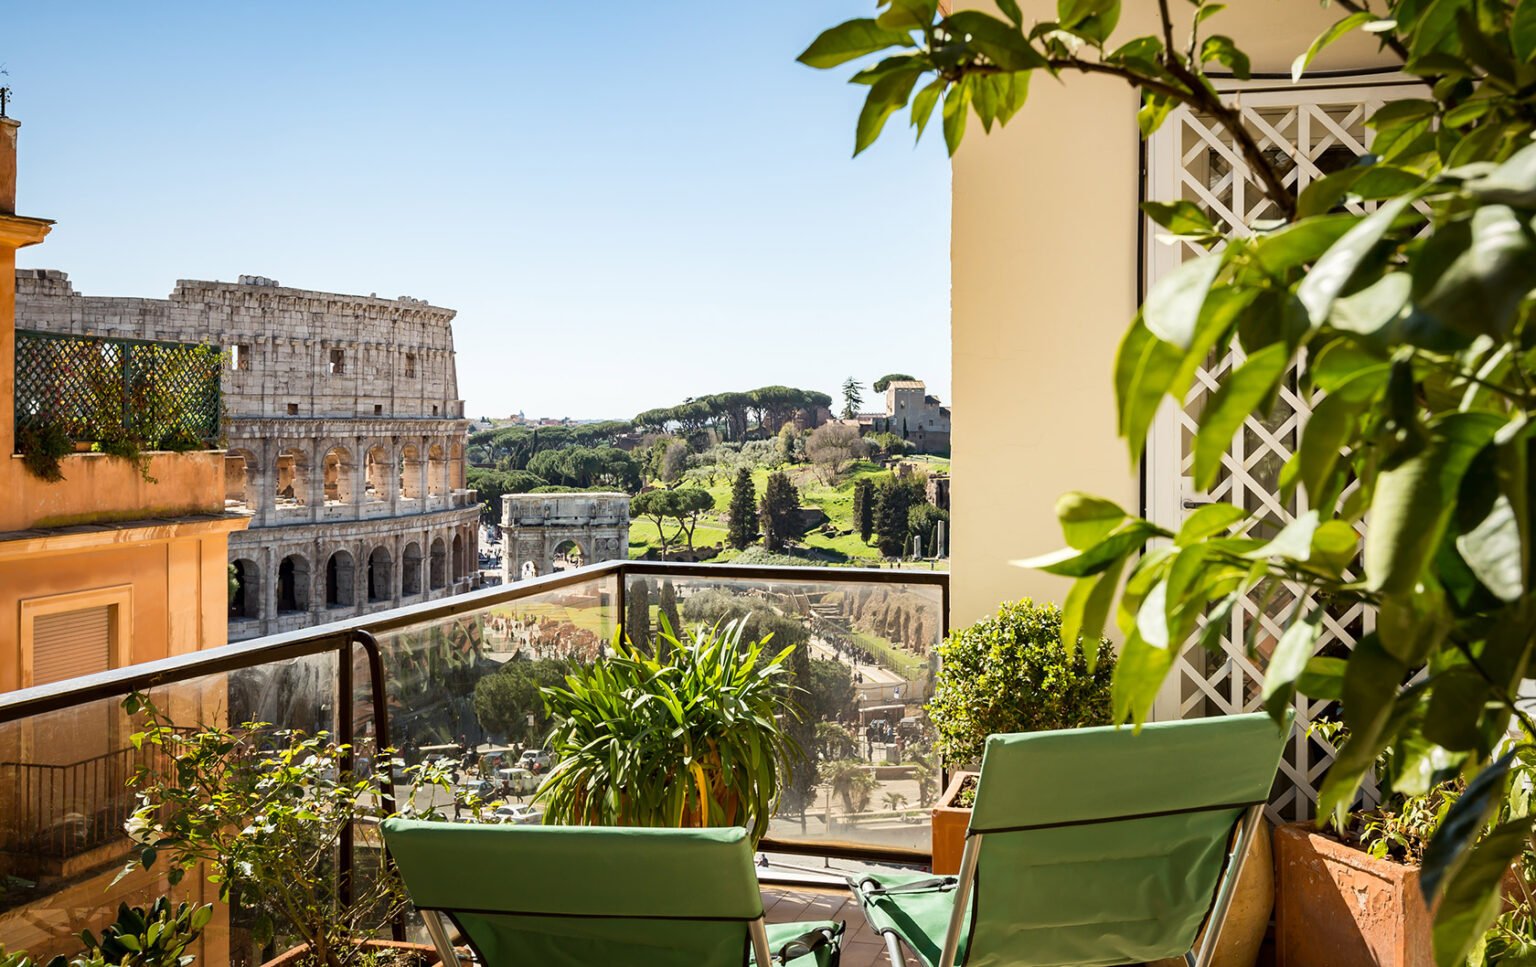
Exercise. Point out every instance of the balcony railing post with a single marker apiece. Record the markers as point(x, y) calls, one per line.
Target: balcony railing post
point(344, 735)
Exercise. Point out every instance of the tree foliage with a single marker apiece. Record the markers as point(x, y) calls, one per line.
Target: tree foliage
point(743, 513)
point(833, 447)
point(881, 384)
point(894, 500)
point(864, 507)
point(1405, 284)
point(780, 501)
point(490, 485)
point(508, 702)
point(682, 506)
point(853, 398)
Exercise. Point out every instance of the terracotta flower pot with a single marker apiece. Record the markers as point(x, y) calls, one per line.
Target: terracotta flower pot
point(427, 953)
point(949, 825)
point(1336, 906)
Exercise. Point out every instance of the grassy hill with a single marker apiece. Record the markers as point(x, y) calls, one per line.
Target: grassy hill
point(836, 501)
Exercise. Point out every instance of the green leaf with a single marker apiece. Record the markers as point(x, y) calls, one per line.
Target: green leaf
point(924, 102)
point(1483, 287)
point(1455, 709)
point(1325, 194)
point(1181, 218)
point(1086, 519)
point(1522, 32)
point(956, 102)
point(1001, 43)
point(1069, 563)
point(851, 40)
point(1246, 391)
point(1473, 899)
point(1464, 822)
point(1411, 505)
point(1412, 624)
point(1155, 108)
point(1289, 660)
point(1224, 51)
point(1294, 541)
point(1086, 609)
point(1172, 307)
point(1334, 546)
point(1206, 521)
point(1139, 676)
point(1494, 550)
point(1322, 679)
point(1010, 9)
point(1145, 367)
point(1337, 267)
point(1328, 430)
point(904, 15)
point(886, 96)
point(1300, 242)
point(1371, 678)
point(1093, 20)
point(1326, 39)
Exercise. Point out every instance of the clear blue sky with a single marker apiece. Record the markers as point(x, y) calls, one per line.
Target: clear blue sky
point(627, 203)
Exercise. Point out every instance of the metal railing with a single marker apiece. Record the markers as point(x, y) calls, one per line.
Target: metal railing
point(370, 638)
point(157, 395)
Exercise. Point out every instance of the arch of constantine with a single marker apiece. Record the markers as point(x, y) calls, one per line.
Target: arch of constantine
point(541, 533)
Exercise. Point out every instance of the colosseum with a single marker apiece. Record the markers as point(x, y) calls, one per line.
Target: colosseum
point(345, 436)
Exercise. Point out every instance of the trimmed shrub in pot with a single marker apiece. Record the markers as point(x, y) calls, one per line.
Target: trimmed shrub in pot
point(1007, 673)
point(685, 740)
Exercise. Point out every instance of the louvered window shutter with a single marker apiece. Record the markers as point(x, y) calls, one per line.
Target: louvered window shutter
point(71, 643)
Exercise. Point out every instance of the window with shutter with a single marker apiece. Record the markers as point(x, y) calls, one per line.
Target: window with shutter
point(71, 643)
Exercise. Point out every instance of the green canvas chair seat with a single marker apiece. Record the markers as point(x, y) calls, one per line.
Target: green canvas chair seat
point(1091, 848)
point(557, 896)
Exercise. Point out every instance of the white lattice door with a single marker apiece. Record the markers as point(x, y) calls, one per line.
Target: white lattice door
point(1309, 131)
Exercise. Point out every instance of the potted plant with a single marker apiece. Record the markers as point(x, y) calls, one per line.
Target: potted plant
point(155, 937)
point(1350, 896)
point(1006, 673)
point(687, 739)
point(263, 810)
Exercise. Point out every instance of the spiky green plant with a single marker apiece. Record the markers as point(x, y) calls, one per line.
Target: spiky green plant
point(687, 740)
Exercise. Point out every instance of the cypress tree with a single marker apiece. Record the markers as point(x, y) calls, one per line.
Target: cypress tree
point(780, 499)
point(637, 618)
point(864, 507)
point(669, 619)
point(743, 514)
point(892, 502)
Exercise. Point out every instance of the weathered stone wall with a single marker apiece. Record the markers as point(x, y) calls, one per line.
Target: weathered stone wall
point(396, 355)
point(345, 439)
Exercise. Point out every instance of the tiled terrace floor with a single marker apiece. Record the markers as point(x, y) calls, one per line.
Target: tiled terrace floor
point(862, 947)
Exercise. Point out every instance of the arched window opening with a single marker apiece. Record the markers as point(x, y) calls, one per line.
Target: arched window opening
point(379, 482)
point(340, 579)
point(338, 476)
point(380, 573)
point(410, 473)
point(410, 569)
point(244, 590)
point(292, 479)
point(439, 566)
point(293, 585)
point(239, 480)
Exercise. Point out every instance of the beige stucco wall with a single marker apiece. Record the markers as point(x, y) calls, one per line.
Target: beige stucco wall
point(1044, 263)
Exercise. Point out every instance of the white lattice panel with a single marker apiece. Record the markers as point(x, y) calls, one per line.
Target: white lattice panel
point(1309, 132)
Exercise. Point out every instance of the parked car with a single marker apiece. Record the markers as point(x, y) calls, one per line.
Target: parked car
point(517, 814)
point(535, 761)
point(518, 782)
point(482, 789)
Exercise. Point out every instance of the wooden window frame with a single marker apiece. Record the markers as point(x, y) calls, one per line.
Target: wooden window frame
point(119, 598)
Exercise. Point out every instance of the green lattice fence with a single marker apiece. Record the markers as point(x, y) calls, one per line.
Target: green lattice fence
point(161, 395)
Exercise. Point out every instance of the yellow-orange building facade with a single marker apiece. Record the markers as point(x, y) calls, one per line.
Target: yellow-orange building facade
point(144, 555)
point(113, 565)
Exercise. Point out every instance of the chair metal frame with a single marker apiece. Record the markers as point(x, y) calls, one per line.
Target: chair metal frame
point(1248, 826)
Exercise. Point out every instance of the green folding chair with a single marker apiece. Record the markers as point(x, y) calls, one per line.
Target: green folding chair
point(1091, 848)
point(558, 896)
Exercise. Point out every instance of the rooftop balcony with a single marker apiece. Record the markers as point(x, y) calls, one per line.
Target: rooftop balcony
point(80, 399)
point(66, 751)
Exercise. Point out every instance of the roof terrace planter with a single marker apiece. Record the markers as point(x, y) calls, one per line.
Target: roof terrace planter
point(123, 397)
point(1339, 906)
